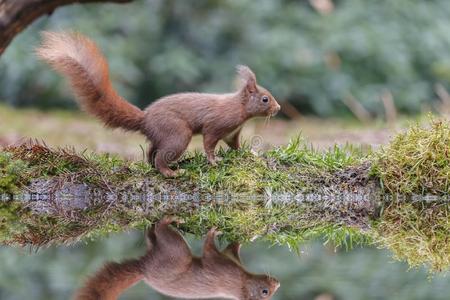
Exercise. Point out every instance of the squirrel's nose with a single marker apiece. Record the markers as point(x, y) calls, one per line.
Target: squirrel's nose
point(277, 109)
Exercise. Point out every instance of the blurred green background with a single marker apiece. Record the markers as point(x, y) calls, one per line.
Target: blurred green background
point(309, 54)
point(314, 54)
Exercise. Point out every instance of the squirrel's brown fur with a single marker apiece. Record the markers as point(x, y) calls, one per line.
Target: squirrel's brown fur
point(170, 268)
point(111, 281)
point(169, 122)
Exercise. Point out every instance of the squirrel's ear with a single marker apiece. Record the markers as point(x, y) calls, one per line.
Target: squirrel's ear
point(233, 250)
point(247, 77)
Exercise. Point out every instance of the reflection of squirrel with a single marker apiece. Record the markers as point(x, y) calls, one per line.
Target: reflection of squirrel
point(170, 268)
point(168, 123)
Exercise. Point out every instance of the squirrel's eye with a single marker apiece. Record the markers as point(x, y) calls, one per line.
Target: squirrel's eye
point(265, 99)
point(265, 292)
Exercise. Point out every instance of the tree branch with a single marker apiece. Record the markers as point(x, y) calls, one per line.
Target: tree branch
point(16, 15)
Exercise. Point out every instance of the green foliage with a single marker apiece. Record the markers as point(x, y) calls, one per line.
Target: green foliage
point(416, 161)
point(362, 48)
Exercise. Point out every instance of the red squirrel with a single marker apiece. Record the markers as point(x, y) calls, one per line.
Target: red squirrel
point(170, 268)
point(169, 122)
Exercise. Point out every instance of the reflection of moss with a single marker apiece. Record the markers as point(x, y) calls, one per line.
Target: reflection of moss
point(280, 224)
point(238, 220)
point(417, 161)
point(416, 232)
point(11, 220)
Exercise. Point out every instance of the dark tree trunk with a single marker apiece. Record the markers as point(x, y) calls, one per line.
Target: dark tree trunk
point(16, 15)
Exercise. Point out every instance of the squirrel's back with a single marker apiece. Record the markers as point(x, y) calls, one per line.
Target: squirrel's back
point(82, 63)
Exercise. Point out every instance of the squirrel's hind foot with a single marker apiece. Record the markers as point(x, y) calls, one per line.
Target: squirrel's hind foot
point(168, 173)
point(169, 219)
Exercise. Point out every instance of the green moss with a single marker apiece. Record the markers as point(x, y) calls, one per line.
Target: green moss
point(238, 172)
point(416, 161)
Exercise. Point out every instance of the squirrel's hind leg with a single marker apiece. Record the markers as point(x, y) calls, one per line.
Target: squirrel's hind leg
point(170, 153)
point(162, 159)
point(171, 242)
point(209, 143)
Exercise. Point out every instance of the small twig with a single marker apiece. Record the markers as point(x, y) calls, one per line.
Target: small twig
point(389, 107)
point(444, 97)
point(357, 109)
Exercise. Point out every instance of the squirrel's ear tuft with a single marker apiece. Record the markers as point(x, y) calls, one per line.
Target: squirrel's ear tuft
point(247, 78)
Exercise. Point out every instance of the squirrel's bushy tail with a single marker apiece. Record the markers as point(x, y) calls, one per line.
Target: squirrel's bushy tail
point(82, 63)
point(111, 281)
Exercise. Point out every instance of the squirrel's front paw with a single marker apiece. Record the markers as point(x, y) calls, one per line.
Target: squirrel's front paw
point(214, 232)
point(254, 152)
point(168, 173)
point(213, 161)
point(180, 172)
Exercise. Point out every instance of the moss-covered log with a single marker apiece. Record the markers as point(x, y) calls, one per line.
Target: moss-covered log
point(270, 195)
point(286, 195)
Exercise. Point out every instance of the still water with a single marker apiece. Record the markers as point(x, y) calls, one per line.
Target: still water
point(316, 272)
